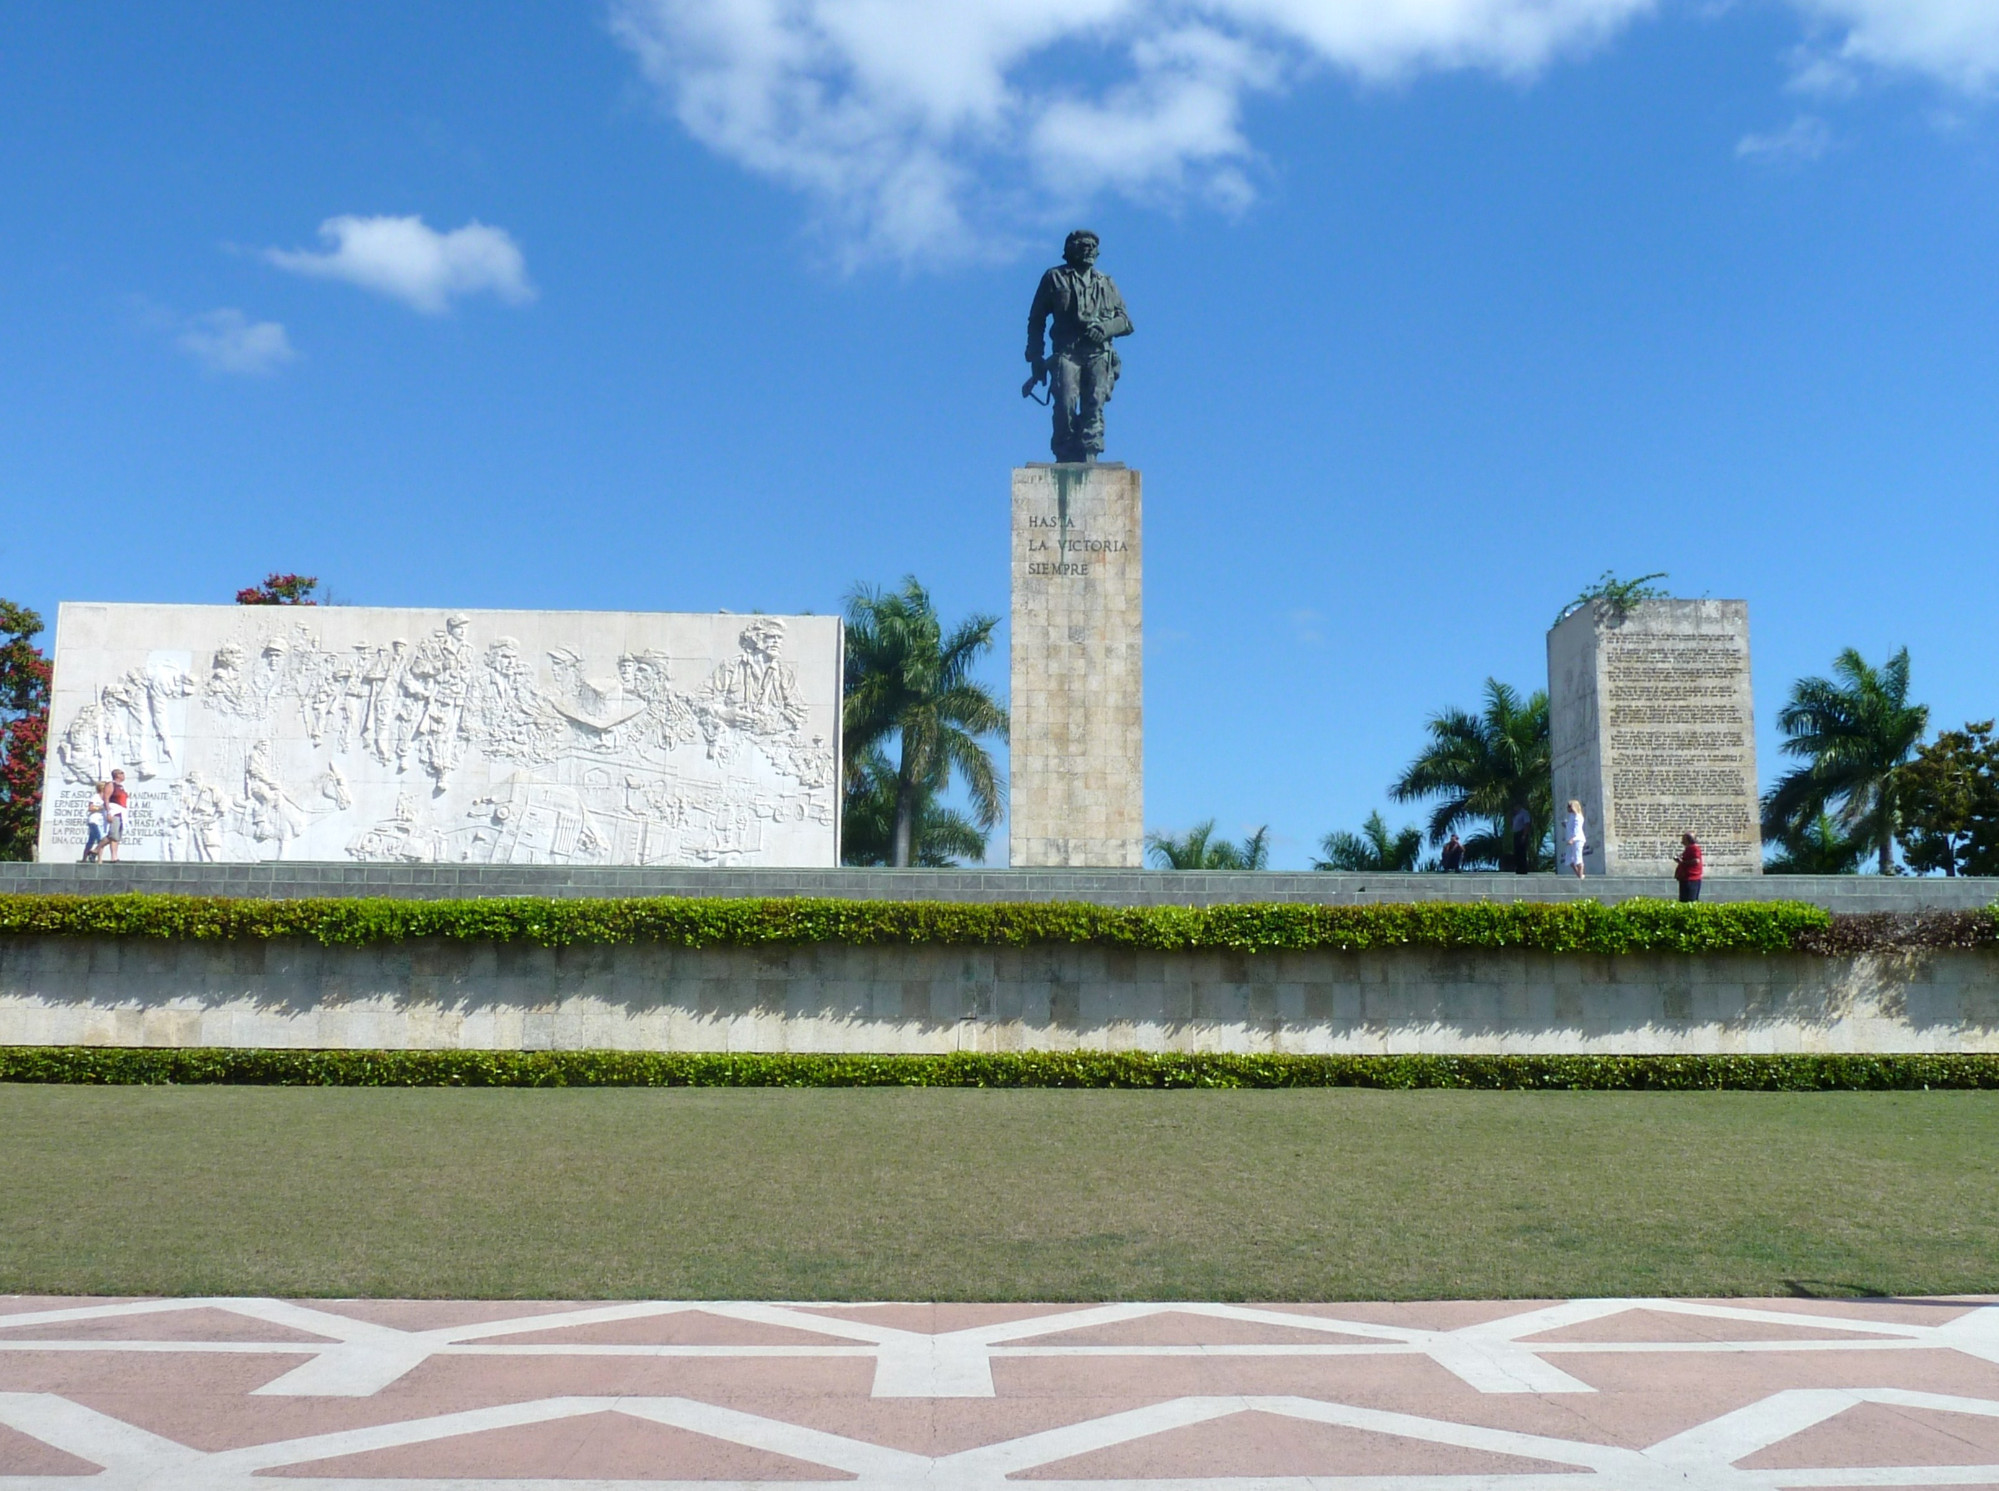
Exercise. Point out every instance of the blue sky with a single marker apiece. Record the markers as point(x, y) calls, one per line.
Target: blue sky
point(1443, 307)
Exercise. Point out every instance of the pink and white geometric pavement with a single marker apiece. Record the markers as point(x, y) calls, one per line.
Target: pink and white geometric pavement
point(369, 1395)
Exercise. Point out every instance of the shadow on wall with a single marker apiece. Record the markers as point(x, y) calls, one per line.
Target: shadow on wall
point(449, 994)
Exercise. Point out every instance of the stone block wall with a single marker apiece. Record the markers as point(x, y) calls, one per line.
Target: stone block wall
point(444, 995)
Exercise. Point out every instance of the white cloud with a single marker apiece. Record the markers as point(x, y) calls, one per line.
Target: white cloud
point(405, 259)
point(227, 341)
point(926, 127)
point(1955, 42)
point(1807, 137)
point(918, 127)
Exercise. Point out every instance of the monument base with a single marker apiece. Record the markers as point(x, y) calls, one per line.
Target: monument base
point(1651, 729)
point(1078, 747)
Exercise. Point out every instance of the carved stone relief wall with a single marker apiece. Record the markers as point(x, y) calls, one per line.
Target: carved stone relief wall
point(488, 737)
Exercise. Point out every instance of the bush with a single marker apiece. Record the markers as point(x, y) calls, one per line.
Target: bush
point(107, 1065)
point(1571, 927)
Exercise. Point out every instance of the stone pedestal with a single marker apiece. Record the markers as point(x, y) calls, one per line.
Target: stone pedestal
point(1078, 757)
point(1651, 727)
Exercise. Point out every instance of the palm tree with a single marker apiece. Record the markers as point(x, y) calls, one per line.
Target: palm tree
point(1373, 849)
point(1856, 733)
point(1199, 849)
point(1818, 848)
point(941, 836)
point(1482, 768)
point(907, 679)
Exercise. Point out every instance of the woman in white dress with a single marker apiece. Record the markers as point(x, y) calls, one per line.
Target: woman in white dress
point(1576, 838)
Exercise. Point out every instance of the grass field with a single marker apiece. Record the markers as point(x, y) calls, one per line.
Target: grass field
point(956, 1194)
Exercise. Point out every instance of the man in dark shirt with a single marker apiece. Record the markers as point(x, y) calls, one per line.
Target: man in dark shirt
point(1523, 825)
point(1454, 855)
point(1082, 312)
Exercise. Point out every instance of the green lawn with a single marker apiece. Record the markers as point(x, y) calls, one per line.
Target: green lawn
point(1024, 1194)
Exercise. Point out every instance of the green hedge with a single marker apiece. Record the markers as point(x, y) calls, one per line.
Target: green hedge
point(1580, 926)
point(1127, 1069)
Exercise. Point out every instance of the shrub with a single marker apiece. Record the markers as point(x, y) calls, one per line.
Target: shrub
point(109, 1065)
point(1569, 927)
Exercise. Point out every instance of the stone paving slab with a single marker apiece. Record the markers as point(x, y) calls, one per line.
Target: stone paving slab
point(369, 1395)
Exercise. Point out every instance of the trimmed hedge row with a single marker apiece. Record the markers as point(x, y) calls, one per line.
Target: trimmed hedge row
point(102, 1065)
point(1579, 926)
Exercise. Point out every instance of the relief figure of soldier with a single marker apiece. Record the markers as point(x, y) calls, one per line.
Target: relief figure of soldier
point(1081, 313)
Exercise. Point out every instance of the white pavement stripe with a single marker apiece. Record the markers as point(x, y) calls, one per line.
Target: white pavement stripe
point(993, 1461)
point(1598, 1348)
point(88, 1434)
point(640, 1348)
point(1699, 1458)
point(298, 1317)
point(753, 1431)
point(348, 1371)
point(1782, 1317)
point(1736, 1436)
point(70, 1313)
point(560, 1320)
point(1548, 1318)
point(1282, 1348)
point(1332, 1325)
point(825, 1325)
point(1500, 1366)
point(816, 1446)
point(1082, 1317)
point(933, 1367)
point(244, 1348)
point(1601, 1457)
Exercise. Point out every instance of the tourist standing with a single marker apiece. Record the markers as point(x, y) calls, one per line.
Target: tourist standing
point(1688, 868)
point(115, 802)
point(1576, 836)
point(1454, 855)
point(1523, 824)
point(93, 823)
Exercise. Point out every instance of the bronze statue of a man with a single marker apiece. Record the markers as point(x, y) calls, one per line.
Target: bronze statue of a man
point(1079, 363)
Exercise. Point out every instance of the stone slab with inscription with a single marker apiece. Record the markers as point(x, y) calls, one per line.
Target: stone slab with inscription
point(485, 737)
point(1652, 729)
point(1078, 741)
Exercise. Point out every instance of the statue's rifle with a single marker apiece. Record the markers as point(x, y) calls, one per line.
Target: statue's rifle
point(1034, 380)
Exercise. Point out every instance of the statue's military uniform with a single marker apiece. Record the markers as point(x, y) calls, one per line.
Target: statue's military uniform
point(1087, 313)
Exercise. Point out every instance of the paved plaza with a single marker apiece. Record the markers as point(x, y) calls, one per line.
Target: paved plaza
point(214, 1394)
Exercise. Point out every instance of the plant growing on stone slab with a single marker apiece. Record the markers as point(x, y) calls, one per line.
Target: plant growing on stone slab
point(280, 590)
point(1615, 595)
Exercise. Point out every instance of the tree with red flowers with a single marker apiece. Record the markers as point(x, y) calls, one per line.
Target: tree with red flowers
point(24, 729)
point(280, 590)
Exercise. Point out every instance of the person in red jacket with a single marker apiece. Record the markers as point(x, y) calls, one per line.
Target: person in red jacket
point(1687, 869)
